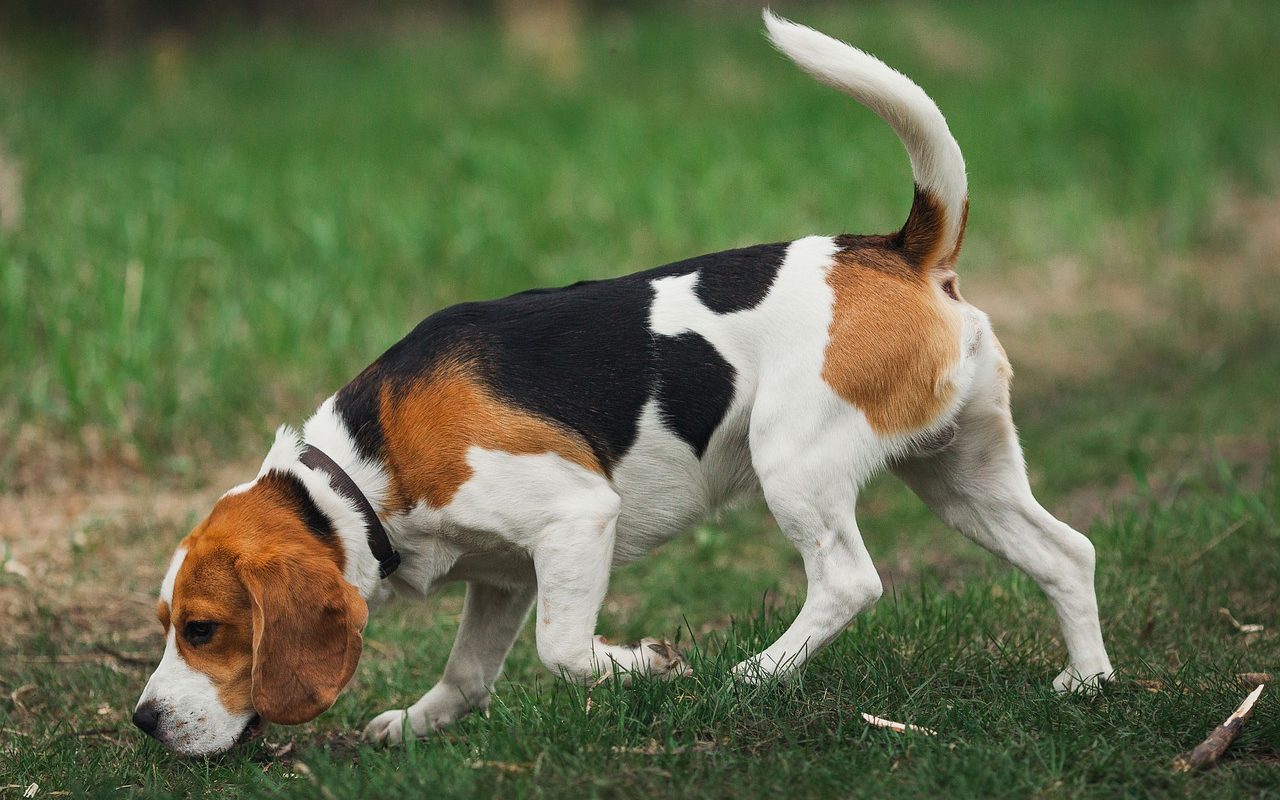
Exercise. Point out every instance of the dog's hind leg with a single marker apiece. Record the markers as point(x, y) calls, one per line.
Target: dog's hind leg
point(811, 483)
point(978, 485)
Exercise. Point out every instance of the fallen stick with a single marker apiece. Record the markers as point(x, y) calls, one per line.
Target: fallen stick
point(1217, 540)
point(900, 727)
point(133, 659)
point(1238, 625)
point(1207, 753)
point(604, 677)
point(103, 655)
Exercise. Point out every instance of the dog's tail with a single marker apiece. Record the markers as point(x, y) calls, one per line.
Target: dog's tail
point(932, 234)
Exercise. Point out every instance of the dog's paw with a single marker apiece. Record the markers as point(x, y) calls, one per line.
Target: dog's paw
point(1072, 680)
point(438, 708)
point(387, 728)
point(656, 658)
point(760, 671)
point(664, 660)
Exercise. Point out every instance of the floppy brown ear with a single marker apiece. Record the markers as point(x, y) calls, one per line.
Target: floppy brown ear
point(307, 624)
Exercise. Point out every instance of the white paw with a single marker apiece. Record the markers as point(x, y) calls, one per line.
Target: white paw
point(763, 668)
point(438, 708)
point(664, 661)
point(387, 728)
point(1072, 680)
point(656, 658)
point(750, 673)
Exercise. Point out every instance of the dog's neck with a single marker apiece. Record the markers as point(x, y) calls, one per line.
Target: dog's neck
point(425, 558)
point(326, 432)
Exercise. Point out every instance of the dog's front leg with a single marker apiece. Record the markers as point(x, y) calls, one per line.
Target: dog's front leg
point(573, 560)
point(491, 619)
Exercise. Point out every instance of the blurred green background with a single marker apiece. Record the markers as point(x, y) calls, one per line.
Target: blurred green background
point(212, 216)
point(212, 223)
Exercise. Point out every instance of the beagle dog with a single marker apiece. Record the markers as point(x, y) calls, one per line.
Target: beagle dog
point(527, 445)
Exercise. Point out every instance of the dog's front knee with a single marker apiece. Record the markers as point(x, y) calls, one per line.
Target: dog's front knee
point(573, 662)
point(842, 585)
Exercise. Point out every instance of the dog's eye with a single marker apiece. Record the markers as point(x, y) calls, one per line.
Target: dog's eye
point(198, 632)
point(949, 286)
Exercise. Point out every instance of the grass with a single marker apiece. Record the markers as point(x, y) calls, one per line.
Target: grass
point(972, 661)
point(217, 231)
point(216, 234)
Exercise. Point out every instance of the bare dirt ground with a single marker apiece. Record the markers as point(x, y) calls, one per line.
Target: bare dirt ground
point(65, 546)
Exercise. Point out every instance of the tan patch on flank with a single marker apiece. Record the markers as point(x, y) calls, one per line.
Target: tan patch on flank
point(894, 338)
point(430, 428)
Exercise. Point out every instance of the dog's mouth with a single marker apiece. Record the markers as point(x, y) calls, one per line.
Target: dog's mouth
point(252, 729)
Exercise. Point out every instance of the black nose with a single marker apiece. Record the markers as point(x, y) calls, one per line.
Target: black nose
point(147, 717)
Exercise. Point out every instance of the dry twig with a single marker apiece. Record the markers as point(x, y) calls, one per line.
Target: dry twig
point(653, 748)
point(133, 659)
point(107, 732)
point(500, 766)
point(900, 727)
point(1207, 753)
point(591, 703)
point(1217, 540)
point(1241, 627)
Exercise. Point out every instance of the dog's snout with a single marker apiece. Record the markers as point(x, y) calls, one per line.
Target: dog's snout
point(147, 717)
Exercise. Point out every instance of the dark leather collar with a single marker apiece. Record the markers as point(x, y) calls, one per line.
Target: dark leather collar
point(379, 544)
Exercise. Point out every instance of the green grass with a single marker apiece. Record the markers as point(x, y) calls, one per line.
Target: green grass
point(217, 233)
point(972, 661)
point(216, 237)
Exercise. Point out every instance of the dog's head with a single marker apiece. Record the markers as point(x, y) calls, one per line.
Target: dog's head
point(259, 623)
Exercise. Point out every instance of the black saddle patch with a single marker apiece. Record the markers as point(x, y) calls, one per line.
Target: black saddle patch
point(737, 280)
point(583, 355)
point(695, 387)
point(358, 404)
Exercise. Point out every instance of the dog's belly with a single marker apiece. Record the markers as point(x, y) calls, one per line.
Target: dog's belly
point(665, 487)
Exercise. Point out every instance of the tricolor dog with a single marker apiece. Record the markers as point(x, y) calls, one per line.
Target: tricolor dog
point(529, 444)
